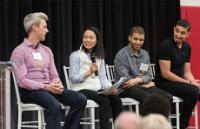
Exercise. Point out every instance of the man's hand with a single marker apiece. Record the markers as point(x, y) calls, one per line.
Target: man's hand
point(49, 87)
point(196, 83)
point(58, 86)
point(55, 87)
point(148, 85)
point(132, 82)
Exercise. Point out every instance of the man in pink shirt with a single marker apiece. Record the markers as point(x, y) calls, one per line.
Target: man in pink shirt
point(38, 79)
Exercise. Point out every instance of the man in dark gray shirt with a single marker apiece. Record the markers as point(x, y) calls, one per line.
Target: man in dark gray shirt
point(133, 63)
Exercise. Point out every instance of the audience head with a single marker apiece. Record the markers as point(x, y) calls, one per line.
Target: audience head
point(92, 41)
point(155, 103)
point(127, 120)
point(181, 31)
point(33, 19)
point(155, 121)
point(136, 38)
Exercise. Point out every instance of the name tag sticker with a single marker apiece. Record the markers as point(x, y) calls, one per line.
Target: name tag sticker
point(144, 67)
point(37, 56)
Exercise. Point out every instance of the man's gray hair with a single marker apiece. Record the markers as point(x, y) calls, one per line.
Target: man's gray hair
point(33, 19)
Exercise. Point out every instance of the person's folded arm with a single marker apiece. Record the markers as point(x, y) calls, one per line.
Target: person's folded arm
point(167, 74)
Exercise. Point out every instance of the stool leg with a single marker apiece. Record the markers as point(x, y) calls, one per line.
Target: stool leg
point(19, 119)
point(39, 119)
point(92, 114)
point(177, 116)
point(196, 116)
point(137, 109)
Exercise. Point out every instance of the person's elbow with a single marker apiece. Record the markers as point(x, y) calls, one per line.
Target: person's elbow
point(165, 74)
point(75, 80)
point(20, 81)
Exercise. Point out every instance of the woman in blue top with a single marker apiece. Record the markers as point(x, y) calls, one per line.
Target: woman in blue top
point(87, 74)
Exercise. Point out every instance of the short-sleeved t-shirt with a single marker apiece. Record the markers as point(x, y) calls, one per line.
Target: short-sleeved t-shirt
point(168, 50)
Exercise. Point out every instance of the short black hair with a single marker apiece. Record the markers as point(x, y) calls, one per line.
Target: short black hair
point(184, 23)
point(155, 103)
point(137, 29)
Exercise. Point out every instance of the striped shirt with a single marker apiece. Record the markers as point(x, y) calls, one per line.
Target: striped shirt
point(127, 64)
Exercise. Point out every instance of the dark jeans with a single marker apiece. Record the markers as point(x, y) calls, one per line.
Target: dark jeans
point(109, 106)
point(188, 93)
point(140, 93)
point(51, 102)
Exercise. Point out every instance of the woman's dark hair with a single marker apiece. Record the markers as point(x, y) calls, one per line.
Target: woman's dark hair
point(98, 49)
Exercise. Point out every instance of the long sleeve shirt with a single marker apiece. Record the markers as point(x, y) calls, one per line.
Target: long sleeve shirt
point(33, 66)
point(79, 63)
point(128, 65)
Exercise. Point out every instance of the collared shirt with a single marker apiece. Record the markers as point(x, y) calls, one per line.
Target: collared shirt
point(168, 50)
point(127, 64)
point(79, 66)
point(33, 65)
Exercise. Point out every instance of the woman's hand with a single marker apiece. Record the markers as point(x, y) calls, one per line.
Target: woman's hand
point(93, 67)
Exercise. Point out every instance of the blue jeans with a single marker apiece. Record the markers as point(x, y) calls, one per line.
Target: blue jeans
point(51, 102)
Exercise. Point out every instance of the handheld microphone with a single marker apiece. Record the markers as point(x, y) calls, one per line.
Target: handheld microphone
point(92, 55)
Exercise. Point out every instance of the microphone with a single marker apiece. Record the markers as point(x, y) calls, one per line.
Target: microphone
point(92, 56)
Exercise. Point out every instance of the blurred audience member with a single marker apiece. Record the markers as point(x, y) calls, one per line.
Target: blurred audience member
point(155, 121)
point(155, 103)
point(127, 120)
